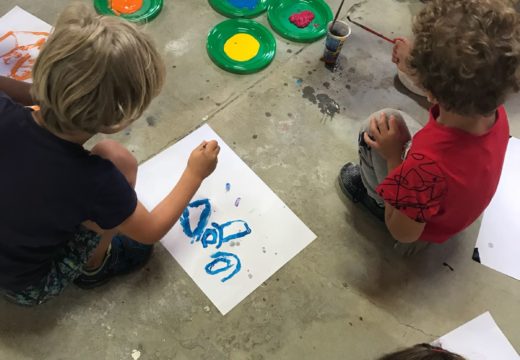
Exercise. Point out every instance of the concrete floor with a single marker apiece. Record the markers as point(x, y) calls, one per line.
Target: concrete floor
point(346, 296)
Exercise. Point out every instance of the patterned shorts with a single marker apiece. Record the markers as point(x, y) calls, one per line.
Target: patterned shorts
point(63, 271)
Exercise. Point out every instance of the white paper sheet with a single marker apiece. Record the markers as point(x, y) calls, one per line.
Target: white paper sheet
point(277, 234)
point(498, 242)
point(479, 339)
point(21, 36)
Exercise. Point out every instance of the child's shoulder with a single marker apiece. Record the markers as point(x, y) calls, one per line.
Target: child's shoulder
point(7, 105)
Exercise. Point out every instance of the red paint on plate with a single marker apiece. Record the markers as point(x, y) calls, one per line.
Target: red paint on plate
point(302, 19)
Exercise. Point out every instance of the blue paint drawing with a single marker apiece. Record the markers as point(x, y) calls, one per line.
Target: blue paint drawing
point(244, 4)
point(209, 237)
point(228, 187)
point(237, 201)
point(223, 238)
point(216, 234)
point(223, 261)
point(203, 220)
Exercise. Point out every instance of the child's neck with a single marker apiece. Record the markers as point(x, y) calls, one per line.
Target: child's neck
point(78, 137)
point(476, 125)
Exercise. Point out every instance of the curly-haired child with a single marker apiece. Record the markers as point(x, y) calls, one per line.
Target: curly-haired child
point(431, 184)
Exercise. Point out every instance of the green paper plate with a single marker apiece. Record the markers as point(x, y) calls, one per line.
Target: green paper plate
point(279, 11)
point(218, 36)
point(229, 9)
point(149, 11)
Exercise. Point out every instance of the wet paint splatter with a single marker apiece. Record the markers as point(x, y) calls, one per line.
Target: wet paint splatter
point(326, 104)
point(228, 187)
point(237, 202)
point(151, 121)
point(308, 93)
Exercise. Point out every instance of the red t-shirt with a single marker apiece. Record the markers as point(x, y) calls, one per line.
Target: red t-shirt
point(448, 177)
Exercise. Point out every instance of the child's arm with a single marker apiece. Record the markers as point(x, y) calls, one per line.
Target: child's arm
point(388, 143)
point(19, 91)
point(150, 227)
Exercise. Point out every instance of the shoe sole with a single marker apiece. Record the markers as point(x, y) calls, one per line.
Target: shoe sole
point(345, 191)
point(103, 282)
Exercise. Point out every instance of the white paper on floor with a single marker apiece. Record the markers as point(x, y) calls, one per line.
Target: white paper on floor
point(240, 231)
point(479, 339)
point(21, 37)
point(498, 242)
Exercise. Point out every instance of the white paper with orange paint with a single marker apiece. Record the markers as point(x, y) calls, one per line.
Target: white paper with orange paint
point(21, 37)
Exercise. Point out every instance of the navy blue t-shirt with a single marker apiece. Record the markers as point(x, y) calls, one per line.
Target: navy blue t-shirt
point(48, 187)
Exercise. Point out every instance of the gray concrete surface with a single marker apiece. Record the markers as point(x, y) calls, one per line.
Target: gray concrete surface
point(346, 296)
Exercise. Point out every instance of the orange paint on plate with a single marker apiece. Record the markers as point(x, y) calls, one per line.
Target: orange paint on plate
point(126, 6)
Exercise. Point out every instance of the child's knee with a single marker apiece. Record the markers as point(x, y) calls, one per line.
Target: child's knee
point(119, 156)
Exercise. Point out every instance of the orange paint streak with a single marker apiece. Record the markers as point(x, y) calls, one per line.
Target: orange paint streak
point(23, 61)
point(125, 6)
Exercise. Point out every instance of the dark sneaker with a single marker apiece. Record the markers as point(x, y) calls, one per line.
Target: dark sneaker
point(352, 186)
point(124, 256)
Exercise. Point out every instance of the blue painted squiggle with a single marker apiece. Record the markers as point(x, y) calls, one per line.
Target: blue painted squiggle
point(224, 239)
point(209, 233)
point(203, 221)
point(226, 259)
point(215, 235)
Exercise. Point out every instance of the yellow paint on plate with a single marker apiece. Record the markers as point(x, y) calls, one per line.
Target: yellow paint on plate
point(241, 47)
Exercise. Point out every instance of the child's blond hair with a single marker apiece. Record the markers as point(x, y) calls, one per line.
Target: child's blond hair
point(95, 73)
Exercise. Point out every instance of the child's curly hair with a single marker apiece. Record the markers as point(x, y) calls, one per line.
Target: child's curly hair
point(467, 53)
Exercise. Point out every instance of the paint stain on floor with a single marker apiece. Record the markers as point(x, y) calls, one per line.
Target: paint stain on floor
point(151, 121)
point(326, 104)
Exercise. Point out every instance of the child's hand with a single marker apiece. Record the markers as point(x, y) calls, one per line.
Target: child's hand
point(203, 160)
point(401, 52)
point(385, 137)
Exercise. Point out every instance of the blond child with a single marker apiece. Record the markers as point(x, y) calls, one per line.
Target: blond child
point(68, 214)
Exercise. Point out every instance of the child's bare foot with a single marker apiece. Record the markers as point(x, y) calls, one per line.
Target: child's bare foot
point(125, 256)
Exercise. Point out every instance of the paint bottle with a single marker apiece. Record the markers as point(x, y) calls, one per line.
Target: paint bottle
point(336, 37)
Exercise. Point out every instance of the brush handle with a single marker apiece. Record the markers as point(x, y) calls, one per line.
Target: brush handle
point(337, 14)
point(371, 31)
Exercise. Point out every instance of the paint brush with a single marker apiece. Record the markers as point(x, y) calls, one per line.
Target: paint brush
point(337, 14)
point(371, 30)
